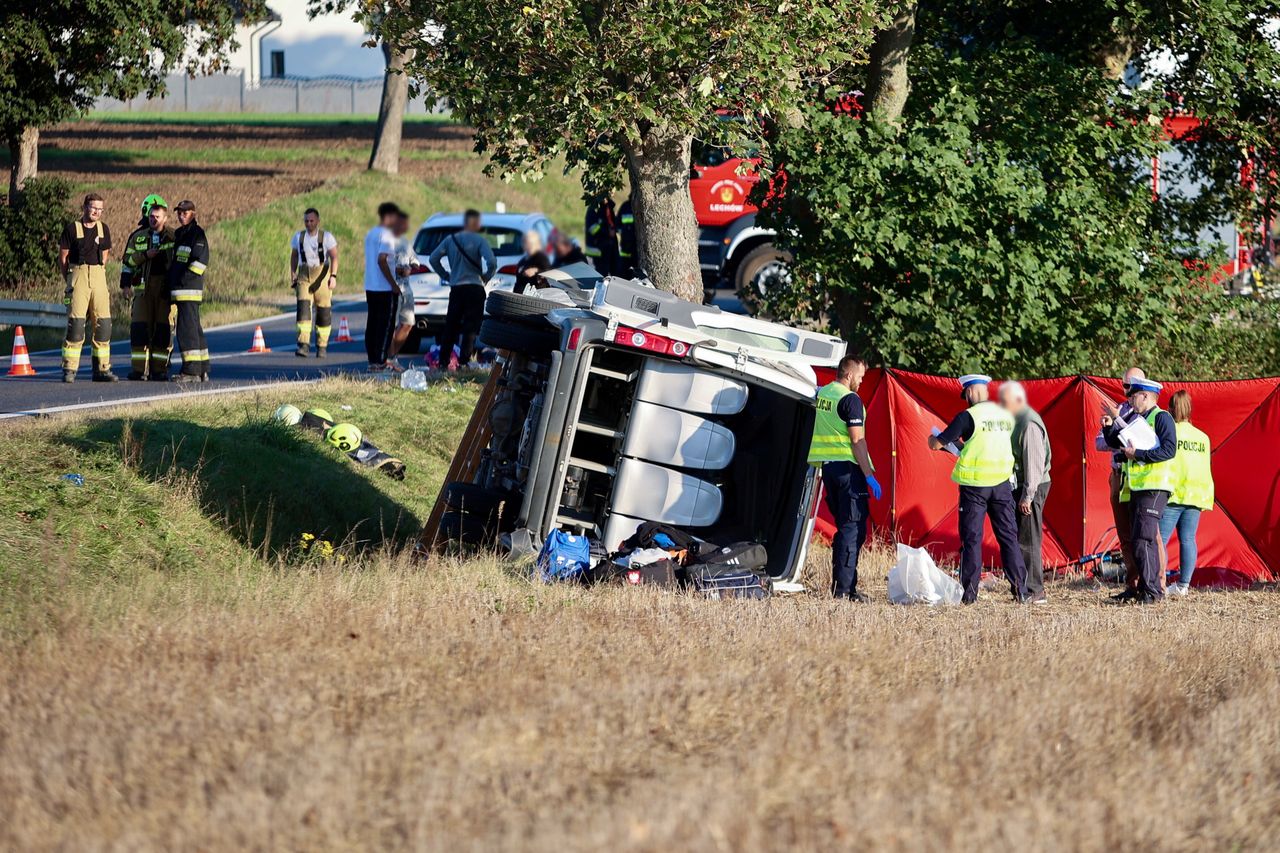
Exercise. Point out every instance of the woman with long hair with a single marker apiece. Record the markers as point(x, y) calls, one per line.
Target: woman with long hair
point(1193, 491)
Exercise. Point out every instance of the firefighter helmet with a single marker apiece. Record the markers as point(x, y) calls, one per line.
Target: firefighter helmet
point(288, 414)
point(151, 201)
point(345, 437)
point(322, 414)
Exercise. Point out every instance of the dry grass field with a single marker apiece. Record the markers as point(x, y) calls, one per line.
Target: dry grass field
point(205, 696)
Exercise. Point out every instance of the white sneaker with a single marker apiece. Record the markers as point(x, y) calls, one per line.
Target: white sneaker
point(1176, 589)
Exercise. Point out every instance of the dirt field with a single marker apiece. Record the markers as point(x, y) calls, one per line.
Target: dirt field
point(230, 169)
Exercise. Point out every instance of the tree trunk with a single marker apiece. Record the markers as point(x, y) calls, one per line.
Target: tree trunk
point(23, 160)
point(888, 81)
point(889, 84)
point(395, 97)
point(666, 226)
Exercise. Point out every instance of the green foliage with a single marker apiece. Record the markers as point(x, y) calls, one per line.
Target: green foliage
point(58, 56)
point(586, 79)
point(29, 234)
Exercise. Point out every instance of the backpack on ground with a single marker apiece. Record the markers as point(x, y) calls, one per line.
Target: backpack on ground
point(748, 556)
point(564, 556)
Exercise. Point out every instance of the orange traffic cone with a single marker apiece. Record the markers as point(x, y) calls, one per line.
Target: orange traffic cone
point(344, 332)
point(259, 343)
point(20, 364)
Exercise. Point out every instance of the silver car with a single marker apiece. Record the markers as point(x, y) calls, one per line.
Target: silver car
point(505, 233)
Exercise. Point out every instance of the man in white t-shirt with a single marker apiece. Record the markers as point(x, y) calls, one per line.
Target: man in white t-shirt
point(313, 271)
point(405, 261)
point(381, 290)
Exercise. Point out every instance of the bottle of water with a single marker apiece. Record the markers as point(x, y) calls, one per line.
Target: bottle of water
point(413, 379)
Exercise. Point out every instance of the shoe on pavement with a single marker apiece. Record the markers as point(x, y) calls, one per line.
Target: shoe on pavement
point(68, 376)
point(136, 376)
point(377, 368)
point(303, 350)
point(105, 376)
point(204, 377)
point(185, 378)
point(322, 352)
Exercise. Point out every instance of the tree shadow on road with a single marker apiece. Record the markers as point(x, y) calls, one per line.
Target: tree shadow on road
point(267, 483)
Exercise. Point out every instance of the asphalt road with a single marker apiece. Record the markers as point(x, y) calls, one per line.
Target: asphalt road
point(231, 366)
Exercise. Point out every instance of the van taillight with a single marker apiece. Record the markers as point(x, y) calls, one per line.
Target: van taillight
point(575, 336)
point(637, 339)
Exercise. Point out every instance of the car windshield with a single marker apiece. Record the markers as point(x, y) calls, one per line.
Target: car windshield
point(503, 241)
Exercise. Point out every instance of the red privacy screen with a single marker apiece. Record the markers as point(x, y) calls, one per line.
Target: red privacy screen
point(1241, 536)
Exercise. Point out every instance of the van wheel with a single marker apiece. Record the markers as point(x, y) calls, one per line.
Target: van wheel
point(761, 273)
point(504, 334)
point(476, 500)
point(465, 529)
point(517, 307)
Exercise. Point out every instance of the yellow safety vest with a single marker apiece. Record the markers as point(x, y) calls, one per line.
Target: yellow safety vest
point(1152, 476)
point(987, 457)
point(1194, 483)
point(830, 434)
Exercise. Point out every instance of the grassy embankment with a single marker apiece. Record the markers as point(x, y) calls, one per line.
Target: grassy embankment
point(165, 685)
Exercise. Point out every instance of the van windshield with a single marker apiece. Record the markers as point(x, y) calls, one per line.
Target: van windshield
point(503, 241)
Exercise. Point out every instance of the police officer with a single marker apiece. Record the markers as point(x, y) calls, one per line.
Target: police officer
point(983, 472)
point(839, 446)
point(144, 277)
point(313, 269)
point(1192, 490)
point(82, 256)
point(1150, 477)
point(602, 236)
point(626, 240)
point(186, 289)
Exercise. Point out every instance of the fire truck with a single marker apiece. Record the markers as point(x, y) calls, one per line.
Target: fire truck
point(733, 251)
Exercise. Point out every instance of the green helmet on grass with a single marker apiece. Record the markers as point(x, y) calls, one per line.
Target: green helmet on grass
point(288, 414)
point(345, 437)
point(322, 414)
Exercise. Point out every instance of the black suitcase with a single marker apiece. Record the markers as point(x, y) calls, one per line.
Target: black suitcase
point(713, 582)
point(748, 556)
point(664, 573)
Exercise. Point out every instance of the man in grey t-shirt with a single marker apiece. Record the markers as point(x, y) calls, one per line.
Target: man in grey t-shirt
point(471, 264)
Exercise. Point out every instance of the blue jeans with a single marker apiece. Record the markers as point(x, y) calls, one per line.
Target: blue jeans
point(1185, 519)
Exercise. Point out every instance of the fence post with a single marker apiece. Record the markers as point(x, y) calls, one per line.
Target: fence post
point(242, 93)
point(186, 100)
point(297, 96)
point(353, 97)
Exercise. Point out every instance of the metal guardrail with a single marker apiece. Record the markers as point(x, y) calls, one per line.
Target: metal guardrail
point(39, 315)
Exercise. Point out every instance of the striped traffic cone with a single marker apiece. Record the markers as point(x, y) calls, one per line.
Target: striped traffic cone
point(20, 364)
point(259, 343)
point(344, 332)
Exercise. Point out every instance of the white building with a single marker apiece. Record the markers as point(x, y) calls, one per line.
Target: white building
point(292, 44)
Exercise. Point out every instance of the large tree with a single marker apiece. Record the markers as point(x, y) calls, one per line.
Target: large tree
point(625, 87)
point(59, 56)
point(993, 206)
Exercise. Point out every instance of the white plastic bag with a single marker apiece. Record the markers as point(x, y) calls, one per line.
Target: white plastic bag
point(916, 579)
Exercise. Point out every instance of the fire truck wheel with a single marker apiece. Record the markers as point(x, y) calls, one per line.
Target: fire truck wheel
point(764, 268)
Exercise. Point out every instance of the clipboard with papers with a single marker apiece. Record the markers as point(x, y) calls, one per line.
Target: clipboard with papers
point(1138, 434)
point(950, 448)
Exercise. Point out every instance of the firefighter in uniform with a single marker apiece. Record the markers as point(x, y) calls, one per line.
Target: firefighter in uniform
point(626, 240)
point(144, 276)
point(82, 256)
point(839, 447)
point(983, 471)
point(186, 290)
point(1150, 477)
point(602, 236)
point(313, 271)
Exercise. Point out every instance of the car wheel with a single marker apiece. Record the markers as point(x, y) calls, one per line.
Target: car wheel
point(517, 307)
point(764, 270)
point(466, 529)
point(477, 500)
point(504, 334)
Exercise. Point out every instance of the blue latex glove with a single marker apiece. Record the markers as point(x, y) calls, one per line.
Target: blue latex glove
point(874, 485)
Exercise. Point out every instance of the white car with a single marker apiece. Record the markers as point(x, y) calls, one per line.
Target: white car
point(505, 233)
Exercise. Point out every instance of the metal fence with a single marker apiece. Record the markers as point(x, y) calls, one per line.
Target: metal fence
point(231, 93)
point(45, 315)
